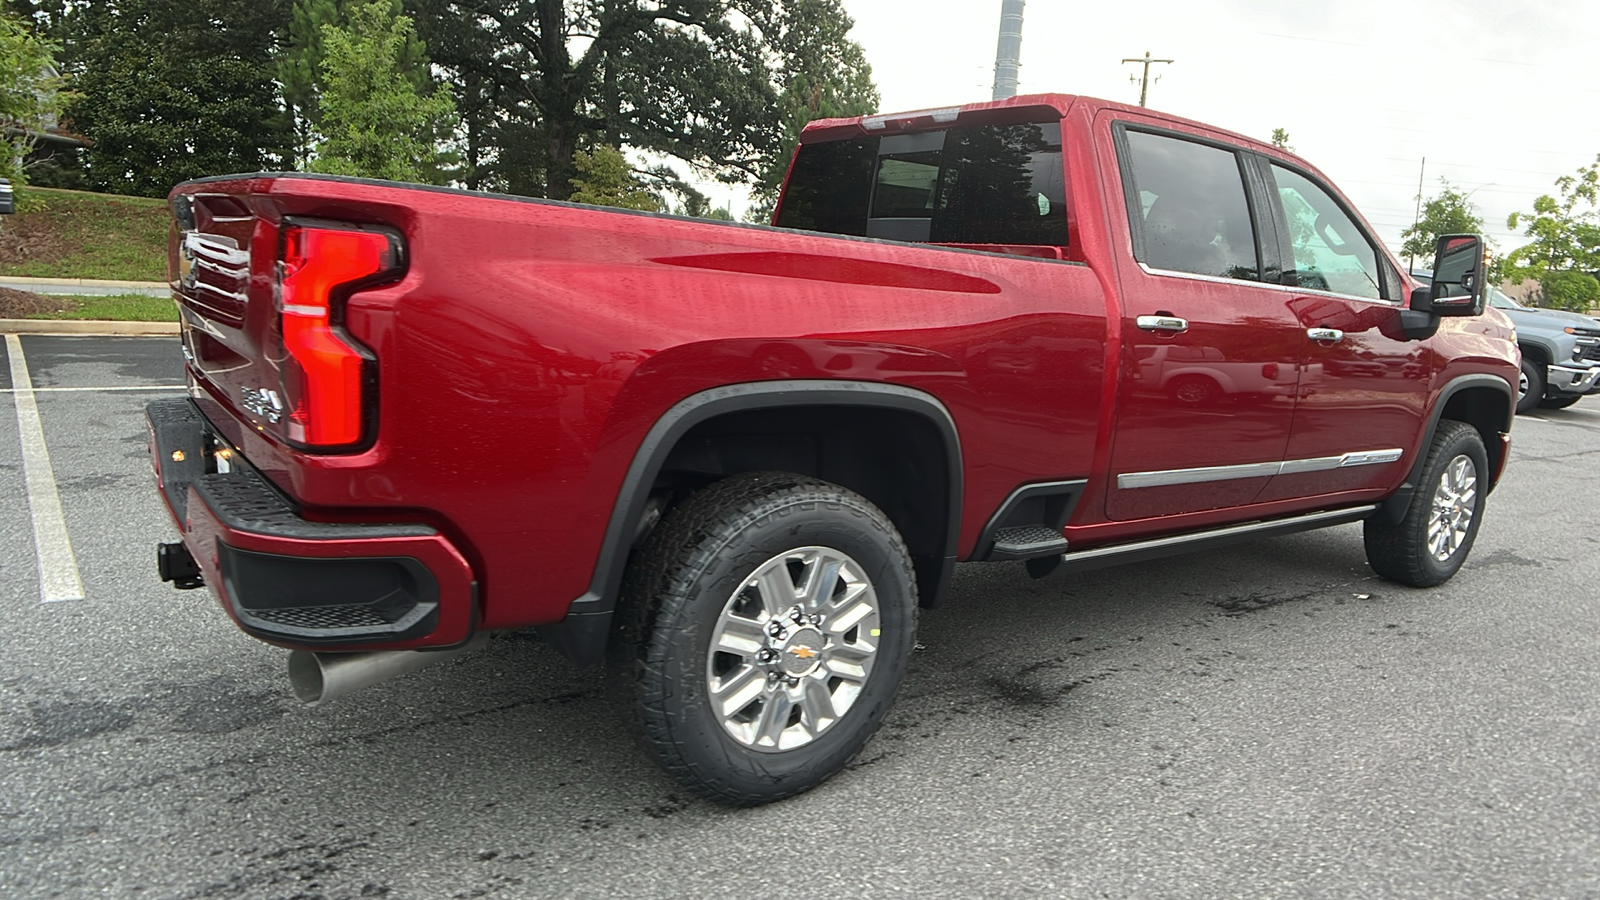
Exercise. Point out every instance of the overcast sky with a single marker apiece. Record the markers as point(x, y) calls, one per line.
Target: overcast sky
point(1500, 96)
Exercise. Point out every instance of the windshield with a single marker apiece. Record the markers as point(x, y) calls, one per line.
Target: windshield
point(1499, 300)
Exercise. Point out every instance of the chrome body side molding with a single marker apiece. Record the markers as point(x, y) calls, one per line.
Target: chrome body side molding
point(1258, 470)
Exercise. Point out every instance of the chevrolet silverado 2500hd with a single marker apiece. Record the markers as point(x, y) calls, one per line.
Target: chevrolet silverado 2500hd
point(737, 459)
point(1560, 353)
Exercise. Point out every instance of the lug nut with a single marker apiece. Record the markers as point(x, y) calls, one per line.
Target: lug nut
point(767, 655)
point(777, 630)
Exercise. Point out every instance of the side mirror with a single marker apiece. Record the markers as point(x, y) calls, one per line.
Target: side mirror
point(1459, 287)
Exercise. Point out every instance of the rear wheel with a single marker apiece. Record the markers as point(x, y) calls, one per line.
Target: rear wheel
point(768, 622)
point(1433, 538)
point(1530, 386)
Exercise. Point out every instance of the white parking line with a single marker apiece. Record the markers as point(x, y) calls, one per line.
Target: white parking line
point(58, 567)
point(96, 390)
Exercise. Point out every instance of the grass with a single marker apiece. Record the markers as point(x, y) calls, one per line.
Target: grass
point(73, 234)
point(117, 308)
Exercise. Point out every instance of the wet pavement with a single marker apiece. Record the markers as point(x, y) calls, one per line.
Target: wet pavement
point(1267, 720)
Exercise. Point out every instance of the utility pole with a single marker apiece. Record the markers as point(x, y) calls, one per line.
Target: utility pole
point(1411, 259)
point(1144, 80)
point(1008, 56)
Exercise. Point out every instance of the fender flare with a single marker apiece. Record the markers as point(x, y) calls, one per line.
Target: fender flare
point(582, 635)
point(1545, 345)
point(1394, 508)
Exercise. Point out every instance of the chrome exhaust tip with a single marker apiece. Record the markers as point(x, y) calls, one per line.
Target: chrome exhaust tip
point(319, 678)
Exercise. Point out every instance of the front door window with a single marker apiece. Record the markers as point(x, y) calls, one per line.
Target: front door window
point(1330, 252)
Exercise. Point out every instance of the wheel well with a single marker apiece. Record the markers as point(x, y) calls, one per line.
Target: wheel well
point(1535, 353)
point(895, 458)
point(1488, 411)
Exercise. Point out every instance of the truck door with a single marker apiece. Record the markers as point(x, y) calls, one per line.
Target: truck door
point(1210, 348)
point(1363, 384)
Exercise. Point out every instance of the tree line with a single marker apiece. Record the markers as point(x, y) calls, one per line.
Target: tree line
point(567, 99)
point(1563, 231)
point(542, 98)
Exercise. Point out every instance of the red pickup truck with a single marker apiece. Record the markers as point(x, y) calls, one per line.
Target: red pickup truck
point(736, 459)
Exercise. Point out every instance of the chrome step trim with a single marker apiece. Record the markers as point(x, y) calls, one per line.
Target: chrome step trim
point(1186, 543)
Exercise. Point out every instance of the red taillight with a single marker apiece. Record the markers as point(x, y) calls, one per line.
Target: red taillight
point(324, 376)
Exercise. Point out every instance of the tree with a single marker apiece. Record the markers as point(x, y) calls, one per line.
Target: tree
point(297, 63)
point(1565, 248)
point(604, 178)
point(487, 139)
point(1280, 139)
point(824, 75)
point(374, 121)
point(300, 58)
point(29, 92)
point(694, 80)
point(1447, 213)
point(699, 206)
point(169, 90)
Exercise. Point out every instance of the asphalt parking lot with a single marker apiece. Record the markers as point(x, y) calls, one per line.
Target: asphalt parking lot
point(1266, 721)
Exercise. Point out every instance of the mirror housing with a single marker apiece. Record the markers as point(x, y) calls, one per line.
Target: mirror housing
point(1459, 287)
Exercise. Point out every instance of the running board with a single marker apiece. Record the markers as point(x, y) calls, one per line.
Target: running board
point(1084, 560)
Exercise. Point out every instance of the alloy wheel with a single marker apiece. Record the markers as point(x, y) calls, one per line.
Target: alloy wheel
point(793, 648)
point(1454, 502)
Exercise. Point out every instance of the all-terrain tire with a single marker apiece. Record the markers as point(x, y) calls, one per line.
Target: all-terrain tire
point(1531, 386)
point(698, 636)
point(1431, 541)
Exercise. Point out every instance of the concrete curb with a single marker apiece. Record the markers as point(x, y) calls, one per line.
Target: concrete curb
point(85, 326)
point(14, 280)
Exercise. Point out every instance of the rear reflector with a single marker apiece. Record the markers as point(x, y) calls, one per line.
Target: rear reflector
point(324, 372)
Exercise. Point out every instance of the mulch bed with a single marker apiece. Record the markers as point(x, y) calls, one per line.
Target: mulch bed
point(23, 304)
point(25, 237)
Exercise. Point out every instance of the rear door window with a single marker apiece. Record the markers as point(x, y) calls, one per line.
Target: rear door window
point(1186, 202)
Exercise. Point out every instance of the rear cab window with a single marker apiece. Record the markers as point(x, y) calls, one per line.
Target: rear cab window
point(982, 186)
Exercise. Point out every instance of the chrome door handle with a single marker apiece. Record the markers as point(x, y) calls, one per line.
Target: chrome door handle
point(1172, 324)
point(1325, 334)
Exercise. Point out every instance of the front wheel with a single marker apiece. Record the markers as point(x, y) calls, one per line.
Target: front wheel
point(1530, 386)
point(1433, 538)
point(768, 621)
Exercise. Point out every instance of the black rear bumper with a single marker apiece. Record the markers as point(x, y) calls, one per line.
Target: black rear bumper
point(293, 581)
